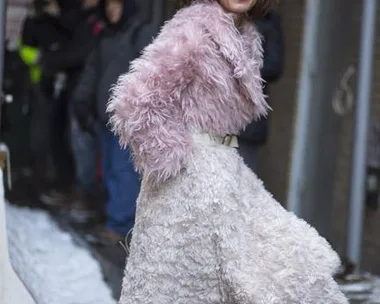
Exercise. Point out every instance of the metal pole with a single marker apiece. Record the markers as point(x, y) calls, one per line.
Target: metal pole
point(356, 207)
point(2, 46)
point(309, 49)
point(2, 37)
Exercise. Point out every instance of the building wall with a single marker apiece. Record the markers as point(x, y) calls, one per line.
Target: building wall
point(371, 239)
point(274, 158)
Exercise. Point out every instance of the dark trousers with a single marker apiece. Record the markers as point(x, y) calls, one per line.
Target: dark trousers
point(85, 147)
point(40, 125)
point(61, 149)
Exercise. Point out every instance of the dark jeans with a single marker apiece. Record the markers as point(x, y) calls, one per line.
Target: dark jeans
point(122, 184)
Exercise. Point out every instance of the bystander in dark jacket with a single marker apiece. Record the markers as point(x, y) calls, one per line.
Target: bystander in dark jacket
point(120, 43)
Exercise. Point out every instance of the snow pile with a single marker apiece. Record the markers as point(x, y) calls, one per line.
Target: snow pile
point(55, 270)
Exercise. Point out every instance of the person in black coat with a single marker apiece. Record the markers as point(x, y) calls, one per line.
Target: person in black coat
point(256, 134)
point(41, 33)
point(120, 43)
point(85, 25)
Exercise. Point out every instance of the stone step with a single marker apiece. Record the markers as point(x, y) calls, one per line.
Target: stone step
point(362, 289)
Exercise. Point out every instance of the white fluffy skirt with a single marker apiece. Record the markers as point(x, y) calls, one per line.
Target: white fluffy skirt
point(214, 235)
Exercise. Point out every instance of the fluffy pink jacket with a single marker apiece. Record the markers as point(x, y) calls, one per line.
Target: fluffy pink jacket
point(201, 74)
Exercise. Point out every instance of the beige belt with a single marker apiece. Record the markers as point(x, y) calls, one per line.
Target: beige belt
point(228, 140)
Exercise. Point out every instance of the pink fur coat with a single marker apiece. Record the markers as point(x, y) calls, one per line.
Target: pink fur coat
point(200, 74)
point(206, 229)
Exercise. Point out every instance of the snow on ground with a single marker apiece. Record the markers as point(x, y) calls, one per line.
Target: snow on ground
point(55, 270)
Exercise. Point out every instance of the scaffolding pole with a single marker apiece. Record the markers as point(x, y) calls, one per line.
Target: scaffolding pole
point(2, 48)
point(309, 49)
point(357, 189)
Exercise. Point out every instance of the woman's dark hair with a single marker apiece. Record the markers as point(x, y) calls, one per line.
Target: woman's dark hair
point(259, 10)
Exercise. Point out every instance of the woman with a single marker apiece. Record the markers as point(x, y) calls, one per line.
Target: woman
point(206, 230)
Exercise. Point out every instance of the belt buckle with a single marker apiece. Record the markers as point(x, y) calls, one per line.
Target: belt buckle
point(227, 140)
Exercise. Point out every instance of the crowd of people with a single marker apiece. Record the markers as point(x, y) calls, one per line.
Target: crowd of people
point(75, 50)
